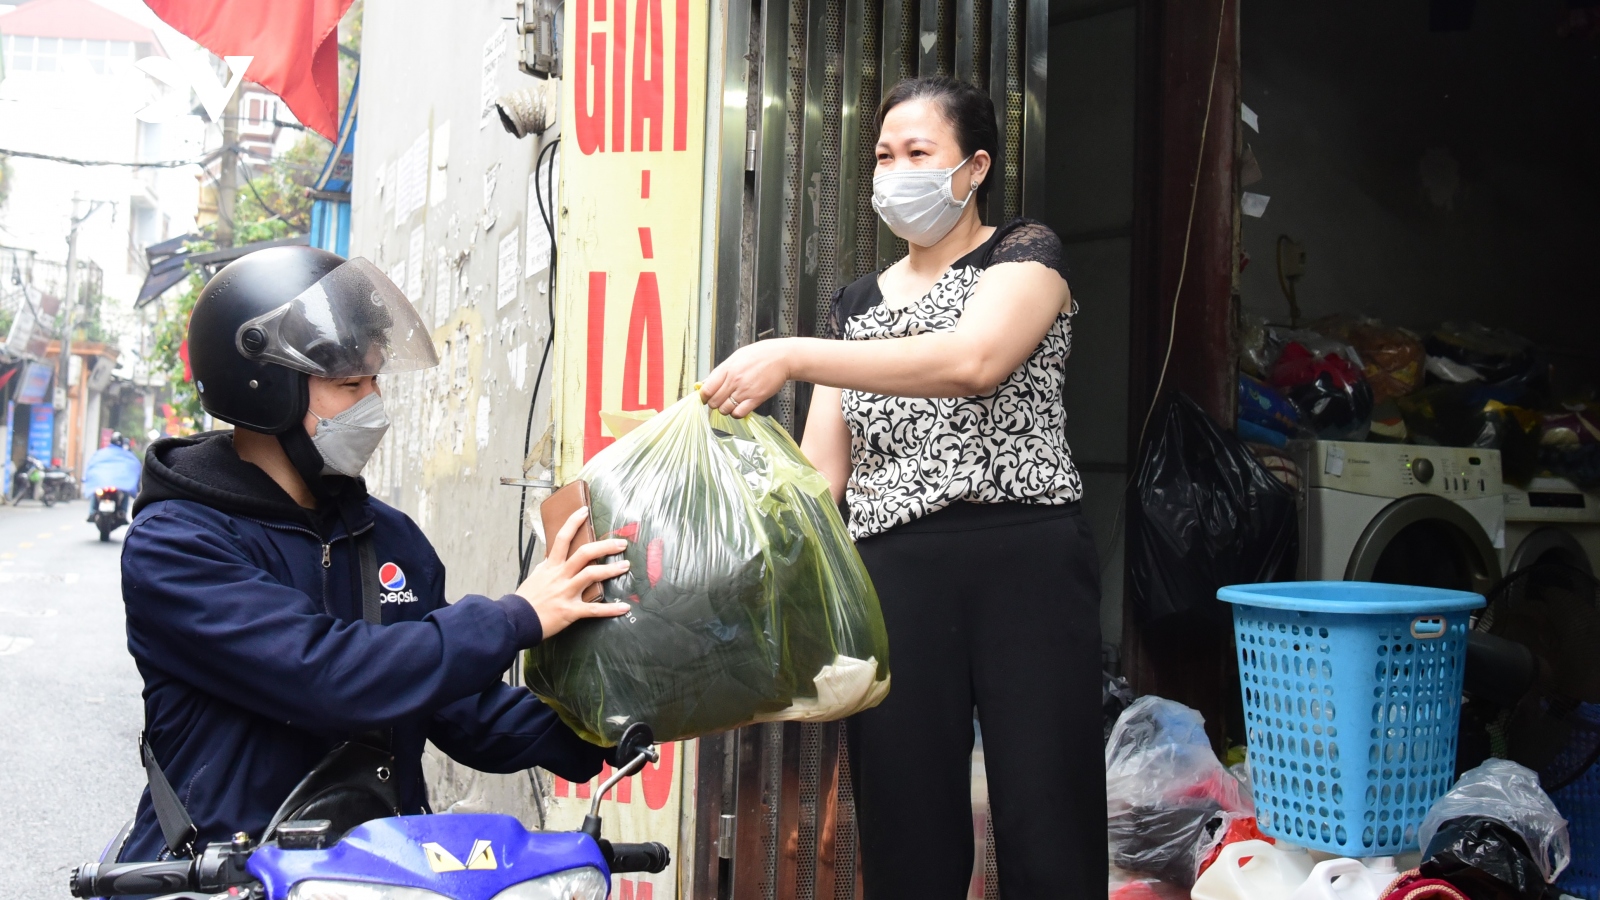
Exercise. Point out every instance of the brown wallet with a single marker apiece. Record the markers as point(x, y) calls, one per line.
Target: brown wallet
point(556, 510)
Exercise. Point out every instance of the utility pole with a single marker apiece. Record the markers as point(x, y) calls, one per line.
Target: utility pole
point(228, 178)
point(70, 301)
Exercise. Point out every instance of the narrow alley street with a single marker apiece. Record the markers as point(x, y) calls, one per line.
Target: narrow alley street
point(69, 698)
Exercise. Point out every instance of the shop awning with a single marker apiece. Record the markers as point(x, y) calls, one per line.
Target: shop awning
point(170, 263)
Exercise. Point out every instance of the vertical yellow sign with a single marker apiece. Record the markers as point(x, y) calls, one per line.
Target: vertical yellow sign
point(632, 158)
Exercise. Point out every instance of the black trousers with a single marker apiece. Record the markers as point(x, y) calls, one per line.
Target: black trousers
point(995, 607)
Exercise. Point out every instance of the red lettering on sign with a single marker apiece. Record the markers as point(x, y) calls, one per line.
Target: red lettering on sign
point(644, 327)
point(647, 92)
point(646, 247)
point(680, 79)
point(593, 440)
point(656, 778)
point(560, 786)
point(619, 76)
point(644, 185)
point(642, 890)
point(590, 87)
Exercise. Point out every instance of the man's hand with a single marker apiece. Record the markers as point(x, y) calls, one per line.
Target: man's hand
point(555, 586)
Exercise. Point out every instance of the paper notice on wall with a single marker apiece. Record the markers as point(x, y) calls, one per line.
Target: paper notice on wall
point(443, 300)
point(494, 50)
point(384, 185)
point(538, 252)
point(491, 180)
point(1249, 116)
point(413, 179)
point(414, 266)
point(397, 274)
point(517, 361)
point(506, 290)
point(483, 422)
point(439, 168)
point(1254, 204)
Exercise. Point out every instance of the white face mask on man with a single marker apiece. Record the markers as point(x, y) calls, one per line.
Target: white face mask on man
point(348, 440)
point(919, 205)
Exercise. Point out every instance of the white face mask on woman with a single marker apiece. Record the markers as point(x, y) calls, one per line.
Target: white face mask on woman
point(347, 440)
point(919, 205)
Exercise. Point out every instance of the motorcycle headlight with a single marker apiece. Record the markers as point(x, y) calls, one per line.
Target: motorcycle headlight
point(574, 884)
point(319, 889)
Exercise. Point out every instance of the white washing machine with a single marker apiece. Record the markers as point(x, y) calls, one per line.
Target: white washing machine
point(1552, 518)
point(1400, 513)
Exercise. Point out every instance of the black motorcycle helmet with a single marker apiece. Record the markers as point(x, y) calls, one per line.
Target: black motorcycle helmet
point(271, 318)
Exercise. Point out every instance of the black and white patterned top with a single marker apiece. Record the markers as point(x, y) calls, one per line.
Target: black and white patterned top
point(911, 456)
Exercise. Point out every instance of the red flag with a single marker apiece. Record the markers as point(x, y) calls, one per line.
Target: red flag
point(294, 42)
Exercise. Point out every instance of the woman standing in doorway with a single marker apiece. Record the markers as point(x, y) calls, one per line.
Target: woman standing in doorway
point(938, 415)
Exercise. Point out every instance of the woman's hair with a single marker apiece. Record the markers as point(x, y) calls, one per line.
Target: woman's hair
point(967, 108)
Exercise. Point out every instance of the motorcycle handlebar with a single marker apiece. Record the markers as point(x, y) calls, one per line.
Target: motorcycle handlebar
point(652, 857)
point(114, 879)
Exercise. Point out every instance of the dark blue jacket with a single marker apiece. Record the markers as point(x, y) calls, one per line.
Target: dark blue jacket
point(246, 625)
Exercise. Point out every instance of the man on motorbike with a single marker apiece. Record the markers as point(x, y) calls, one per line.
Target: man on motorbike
point(257, 563)
point(113, 465)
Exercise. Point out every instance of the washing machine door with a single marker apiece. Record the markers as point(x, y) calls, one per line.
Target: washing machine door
point(1425, 541)
point(1550, 544)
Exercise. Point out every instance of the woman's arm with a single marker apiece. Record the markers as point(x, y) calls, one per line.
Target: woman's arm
point(827, 440)
point(1011, 310)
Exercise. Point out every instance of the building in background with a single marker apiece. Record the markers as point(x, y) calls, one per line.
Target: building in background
point(71, 90)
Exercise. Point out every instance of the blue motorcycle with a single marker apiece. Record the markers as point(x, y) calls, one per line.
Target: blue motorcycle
point(425, 857)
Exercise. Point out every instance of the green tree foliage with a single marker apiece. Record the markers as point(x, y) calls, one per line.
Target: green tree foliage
point(274, 204)
point(170, 331)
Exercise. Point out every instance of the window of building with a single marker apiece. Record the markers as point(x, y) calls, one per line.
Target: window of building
point(44, 54)
point(255, 111)
point(36, 54)
point(19, 53)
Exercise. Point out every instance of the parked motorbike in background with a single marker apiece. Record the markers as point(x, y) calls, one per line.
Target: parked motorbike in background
point(425, 857)
point(47, 484)
point(110, 510)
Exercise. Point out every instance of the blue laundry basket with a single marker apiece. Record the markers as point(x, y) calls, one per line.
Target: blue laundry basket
point(1579, 802)
point(1352, 698)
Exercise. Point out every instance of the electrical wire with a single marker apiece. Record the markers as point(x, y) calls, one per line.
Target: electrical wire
point(250, 183)
point(1177, 291)
point(545, 193)
point(160, 164)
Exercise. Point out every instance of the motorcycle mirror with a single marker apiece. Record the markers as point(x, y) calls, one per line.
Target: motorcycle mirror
point(638, 740)
point(637, 746)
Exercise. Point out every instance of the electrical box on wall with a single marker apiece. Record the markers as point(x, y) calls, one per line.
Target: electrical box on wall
point(538, 24)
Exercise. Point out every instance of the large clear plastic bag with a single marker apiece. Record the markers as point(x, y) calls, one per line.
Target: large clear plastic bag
point(1509, 793)
point(749, 601)
point(1168, 798)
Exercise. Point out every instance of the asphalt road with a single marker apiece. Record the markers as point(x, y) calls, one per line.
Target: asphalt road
point(70, 711)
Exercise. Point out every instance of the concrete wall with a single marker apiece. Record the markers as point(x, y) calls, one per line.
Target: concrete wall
point(457, 428)
point(1430, 175)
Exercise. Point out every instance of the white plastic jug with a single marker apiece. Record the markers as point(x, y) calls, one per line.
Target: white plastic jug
point(1348, 879)
point(1253, 870)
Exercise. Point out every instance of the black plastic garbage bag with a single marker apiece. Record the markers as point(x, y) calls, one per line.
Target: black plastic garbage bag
point(1203, 513)
point(1486, 859)
point(1164, 842)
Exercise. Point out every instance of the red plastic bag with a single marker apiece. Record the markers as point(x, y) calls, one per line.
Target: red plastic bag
point(1238, 830)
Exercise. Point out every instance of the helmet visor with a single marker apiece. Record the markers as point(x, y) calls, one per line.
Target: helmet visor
point(354, 321)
